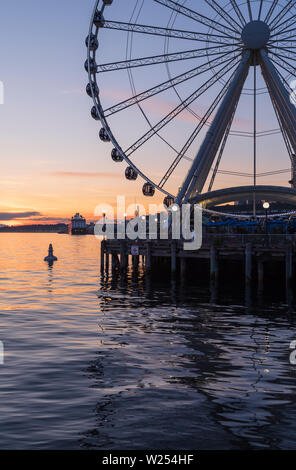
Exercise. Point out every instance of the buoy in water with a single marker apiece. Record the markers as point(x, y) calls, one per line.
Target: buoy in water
point(50, 256)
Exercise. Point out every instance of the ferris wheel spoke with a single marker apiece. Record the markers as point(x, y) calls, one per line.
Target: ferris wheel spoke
point(290, 37)
point(281, 41)
point(271, 10)
point(250, 10)
point(206, 67)
point(238, 12)
point(187, 145)
point(285, 51)
point(288, 56)
point(284, 32)
point(280, 58)
point(285, 66)
point(282, 129)
point(165, 58)
point(194, 135)
point(285, 24)
point(284, 48)
point(231, 21)
point(167, 32)
point(281, 15)
point(260, 10)
point(181, 107)
point(194, 15)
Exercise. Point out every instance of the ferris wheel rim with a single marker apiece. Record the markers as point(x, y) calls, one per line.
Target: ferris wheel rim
point(91, 56)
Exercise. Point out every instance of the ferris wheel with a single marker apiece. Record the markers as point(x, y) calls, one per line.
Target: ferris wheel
point(167, 78)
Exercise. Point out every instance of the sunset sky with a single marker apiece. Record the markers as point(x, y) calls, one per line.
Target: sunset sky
point(53, 163)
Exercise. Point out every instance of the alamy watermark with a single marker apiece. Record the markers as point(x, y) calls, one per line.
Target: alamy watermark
point(1, 353)
point(293, 353)
point(158, 223)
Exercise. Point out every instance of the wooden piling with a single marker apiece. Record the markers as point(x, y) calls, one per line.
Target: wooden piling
point(107, 262)
point(102, 255)
point(115, 262)
point(260, 270)
point(183, 268)
point(123, 263)
point(173, 258)
point(248, 270)
point(213, 264)
point(135, 261)
point(148, 257)
point(289, 266)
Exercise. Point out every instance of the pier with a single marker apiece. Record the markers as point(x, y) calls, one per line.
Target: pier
point(249, 254)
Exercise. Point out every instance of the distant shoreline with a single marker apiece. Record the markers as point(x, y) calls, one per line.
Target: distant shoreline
point(38, 228)
point(33, 231)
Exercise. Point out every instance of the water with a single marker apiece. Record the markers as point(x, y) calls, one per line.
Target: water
point(110, 364)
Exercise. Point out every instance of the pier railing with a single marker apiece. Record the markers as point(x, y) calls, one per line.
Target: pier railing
point(230, 240)
point(255, 239)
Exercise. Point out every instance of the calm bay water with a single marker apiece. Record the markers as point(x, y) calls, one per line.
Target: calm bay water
point(97, 363)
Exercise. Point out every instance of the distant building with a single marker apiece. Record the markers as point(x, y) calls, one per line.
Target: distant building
point(78, 225)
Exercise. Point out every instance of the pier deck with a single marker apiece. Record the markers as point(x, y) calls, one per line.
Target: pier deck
point(251, 251)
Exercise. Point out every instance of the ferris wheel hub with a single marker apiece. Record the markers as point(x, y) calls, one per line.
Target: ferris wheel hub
point(255, 35)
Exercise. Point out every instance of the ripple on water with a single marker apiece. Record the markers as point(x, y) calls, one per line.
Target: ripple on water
point(93, 363)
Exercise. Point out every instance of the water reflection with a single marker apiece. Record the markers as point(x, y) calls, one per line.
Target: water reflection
point(50, 277)
point(137, 361)
point(227, 364)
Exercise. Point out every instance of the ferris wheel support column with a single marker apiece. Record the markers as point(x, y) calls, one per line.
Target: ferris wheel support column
point(203, 161)
point(281, 98)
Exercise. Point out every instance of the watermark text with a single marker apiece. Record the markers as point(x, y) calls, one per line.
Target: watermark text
point(158, 223)
point(1, 353)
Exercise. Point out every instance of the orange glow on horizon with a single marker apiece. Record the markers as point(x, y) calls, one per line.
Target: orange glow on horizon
point(55, 197)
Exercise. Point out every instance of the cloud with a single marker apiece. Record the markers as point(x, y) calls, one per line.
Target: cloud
point(17, 215)
point(50, 219)
point(84, 174)
point(32, 217)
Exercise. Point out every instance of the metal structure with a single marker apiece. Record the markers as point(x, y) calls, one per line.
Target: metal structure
point(285, 195)
point(232, 41)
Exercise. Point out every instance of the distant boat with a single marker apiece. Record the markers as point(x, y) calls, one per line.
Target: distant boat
point(78, 225)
